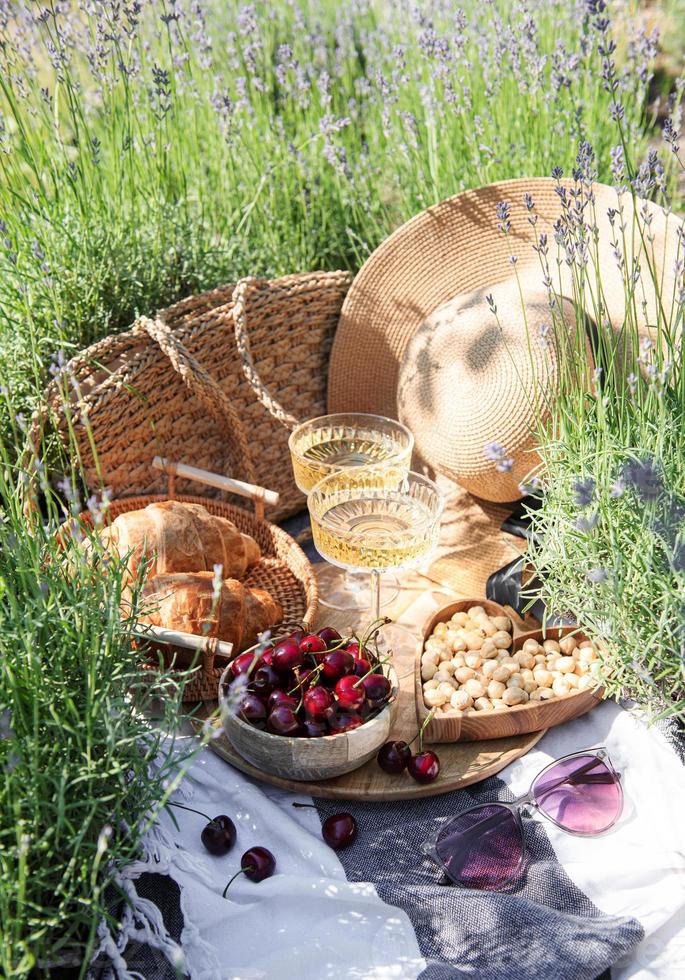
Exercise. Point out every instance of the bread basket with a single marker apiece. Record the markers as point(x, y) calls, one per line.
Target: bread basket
point(284, 570)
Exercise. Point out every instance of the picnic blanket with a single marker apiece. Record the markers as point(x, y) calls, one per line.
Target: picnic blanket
point(381, 910)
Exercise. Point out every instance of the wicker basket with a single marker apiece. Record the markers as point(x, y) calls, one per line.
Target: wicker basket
point(284, 569)
point(133, 387)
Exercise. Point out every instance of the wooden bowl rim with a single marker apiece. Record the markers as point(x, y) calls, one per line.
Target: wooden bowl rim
point(443, 614)
point(288, 739)
point(518, 641)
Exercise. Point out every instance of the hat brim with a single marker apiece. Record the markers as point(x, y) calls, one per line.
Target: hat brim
point(455, 248)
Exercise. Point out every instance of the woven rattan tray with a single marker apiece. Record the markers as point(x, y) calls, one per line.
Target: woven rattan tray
point(284, 570)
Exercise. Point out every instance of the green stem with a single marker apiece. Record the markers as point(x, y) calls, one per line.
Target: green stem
point(372, 670)
point(421, 730)
point(190, 810)
point(250, 867)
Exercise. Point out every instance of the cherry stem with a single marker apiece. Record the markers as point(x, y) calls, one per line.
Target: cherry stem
point(426, 721)
point(302, 806)
point(312, 678)
point(250, 867)
point(372, 670)
point(375, 626)
point(190, 810)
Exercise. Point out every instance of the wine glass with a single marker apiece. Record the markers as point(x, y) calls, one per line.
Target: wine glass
point(375, 520)
point(345, 442)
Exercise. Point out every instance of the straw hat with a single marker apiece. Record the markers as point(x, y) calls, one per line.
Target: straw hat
point(416, 335)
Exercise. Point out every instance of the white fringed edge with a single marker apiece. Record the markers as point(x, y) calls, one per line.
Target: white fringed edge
point(142, 919)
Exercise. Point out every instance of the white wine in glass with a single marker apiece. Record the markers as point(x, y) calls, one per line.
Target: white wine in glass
point(344, 443)
point(375, 520)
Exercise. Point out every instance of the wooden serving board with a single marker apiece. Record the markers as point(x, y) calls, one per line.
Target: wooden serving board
point(461, 763)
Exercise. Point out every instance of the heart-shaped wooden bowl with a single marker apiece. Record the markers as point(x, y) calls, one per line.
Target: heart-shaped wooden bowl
point(517, 720)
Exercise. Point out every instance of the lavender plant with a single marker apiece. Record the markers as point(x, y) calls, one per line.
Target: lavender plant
point(609, 538)
point(149, 150)
point(82, 773)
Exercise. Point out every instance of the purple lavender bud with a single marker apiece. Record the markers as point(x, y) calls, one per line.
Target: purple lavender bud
point(503, 211)
point(583, 492)
point(644, 478)
point(587, 523)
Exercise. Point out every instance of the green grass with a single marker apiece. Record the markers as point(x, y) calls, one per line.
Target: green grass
point(124, 188)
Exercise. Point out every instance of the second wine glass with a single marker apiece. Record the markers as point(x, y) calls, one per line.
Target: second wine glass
point(341, 443)
point(377, 521)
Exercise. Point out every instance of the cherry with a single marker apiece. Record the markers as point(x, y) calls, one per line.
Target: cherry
point(361, 667)
point(312, 644)
point(348, 694)
point(251, 708)
point(339, 830)
point(279, 697)
point(354, 649)
point(267, 657)
point(263, 681)
point(424, 767)
point(283, 721)
point(218, 834)
point(287, 655)
point(257, 863)
point(377, 687)
point(243, 663)
point(329, 636)
point(342, 721)
point(393, 757)
point(317, 702)
point(336, 664)
point(314, 729)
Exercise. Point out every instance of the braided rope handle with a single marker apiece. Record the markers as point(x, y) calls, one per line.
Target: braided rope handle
point(242, 340)
point(205, 388)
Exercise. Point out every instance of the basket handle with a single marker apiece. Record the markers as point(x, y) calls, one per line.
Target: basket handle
point(243, 344)
point(259, 495)
point(210, 647)
point(201, 384)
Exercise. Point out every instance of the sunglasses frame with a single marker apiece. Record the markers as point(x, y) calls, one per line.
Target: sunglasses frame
point(521, 806)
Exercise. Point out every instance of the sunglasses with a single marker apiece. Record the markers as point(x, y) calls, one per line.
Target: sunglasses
point(484, 846)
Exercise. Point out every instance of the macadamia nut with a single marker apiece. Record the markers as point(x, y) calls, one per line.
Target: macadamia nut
point(461, 699)
point(474, 688)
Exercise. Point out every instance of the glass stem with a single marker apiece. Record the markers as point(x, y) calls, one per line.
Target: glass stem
point(375, 595)
point(355, 581)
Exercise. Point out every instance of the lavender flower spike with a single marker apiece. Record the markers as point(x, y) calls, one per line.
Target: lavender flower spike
point(586, 524)
point(583, 492)
point(503, 211)
point(496, 452)
point(644, 477)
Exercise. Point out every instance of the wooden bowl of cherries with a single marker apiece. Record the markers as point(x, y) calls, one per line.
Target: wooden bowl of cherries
point(309, 706)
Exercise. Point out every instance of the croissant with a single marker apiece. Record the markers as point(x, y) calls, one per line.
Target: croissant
point(186, 602)
point(178, 537)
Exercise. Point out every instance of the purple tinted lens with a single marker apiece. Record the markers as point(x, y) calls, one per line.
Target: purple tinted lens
point(580, 794)
point(482, 848)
